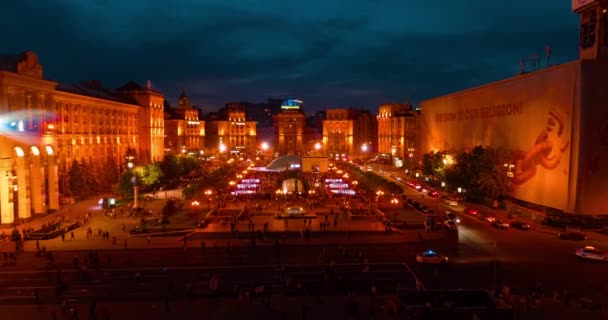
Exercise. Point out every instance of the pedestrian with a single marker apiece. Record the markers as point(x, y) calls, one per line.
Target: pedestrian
point(149, 239)
point(125, 244)
point(72, 235)
point(63, 237)
point(114, 240)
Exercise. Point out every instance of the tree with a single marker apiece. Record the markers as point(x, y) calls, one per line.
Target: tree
point(127, 179)
point(170, 168)
point(109, 173)
point(149, 175)
point(77, 179)
point(188, 164)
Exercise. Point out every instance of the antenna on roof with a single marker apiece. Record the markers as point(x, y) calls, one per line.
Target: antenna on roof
point(522, 66)
point(548, 55)
point(535, 61)
point(149, 85)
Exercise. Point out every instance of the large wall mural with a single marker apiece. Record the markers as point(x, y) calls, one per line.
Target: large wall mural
point(529, 115)
point(547, 150)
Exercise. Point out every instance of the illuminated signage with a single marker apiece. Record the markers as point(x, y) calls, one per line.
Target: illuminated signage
point(333, 180)
point(338, 185)
point(291, 104)
point(250, 181)
point(344, 191)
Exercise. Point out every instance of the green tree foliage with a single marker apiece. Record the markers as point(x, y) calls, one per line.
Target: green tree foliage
point(188, 164)
point(77, 179)
point(170, 168)
point(125, 185)
point(108, 175)
point(149, 175)
point(481, 171)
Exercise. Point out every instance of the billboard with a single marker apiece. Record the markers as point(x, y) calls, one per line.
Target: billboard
point(529, 115)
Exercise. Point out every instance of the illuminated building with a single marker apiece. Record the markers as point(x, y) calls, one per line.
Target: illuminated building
point(228, 131)
point(47, 125)
point(397, 138)
point(553, 121)
point(184, 132)
point(348, 133)
point(289, 129)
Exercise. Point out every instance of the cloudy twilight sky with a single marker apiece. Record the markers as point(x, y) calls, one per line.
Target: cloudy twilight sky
point(328, 53)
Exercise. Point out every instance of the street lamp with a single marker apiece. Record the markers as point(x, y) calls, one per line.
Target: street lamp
point(208, 193)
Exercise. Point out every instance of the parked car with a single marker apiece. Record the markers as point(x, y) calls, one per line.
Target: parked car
point(520, 225)
point(501, 224)
point(573, 235)
point(487, 217)
point(471, 211)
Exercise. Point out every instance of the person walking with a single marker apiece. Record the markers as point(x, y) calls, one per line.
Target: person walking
point(72, 235)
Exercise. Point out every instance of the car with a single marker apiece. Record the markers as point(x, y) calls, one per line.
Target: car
point(487, 217)
point(431, 257)
point(591, 253)
point(501, 224)
point(450, 225)
point(449, 215)
point(573, 235)
point(520, 225)
point(433, 193)
point(471, 211)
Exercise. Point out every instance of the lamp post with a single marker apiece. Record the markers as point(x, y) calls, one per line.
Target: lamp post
point(364, 149)
point(131, 165)
point(208, 193)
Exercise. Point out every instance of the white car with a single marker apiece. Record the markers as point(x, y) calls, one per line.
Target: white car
point(591, 253)
point(431, 257)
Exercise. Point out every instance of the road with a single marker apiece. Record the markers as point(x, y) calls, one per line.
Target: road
point(526, 257)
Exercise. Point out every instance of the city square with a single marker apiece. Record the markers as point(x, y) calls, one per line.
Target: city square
point(180, 197)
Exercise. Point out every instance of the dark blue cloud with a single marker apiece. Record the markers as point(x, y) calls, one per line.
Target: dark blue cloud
point(328, 53)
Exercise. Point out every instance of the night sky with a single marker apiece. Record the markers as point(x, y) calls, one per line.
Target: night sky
point(328, 53)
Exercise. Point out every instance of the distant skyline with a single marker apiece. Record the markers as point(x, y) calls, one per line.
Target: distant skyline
point(329, 53)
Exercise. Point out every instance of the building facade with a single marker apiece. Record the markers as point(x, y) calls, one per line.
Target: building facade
point(289, 129)
point(184, 132)
point(47, 125)
point(348, 133)
point(554, 122)
point(230, 132)
point(397, 135)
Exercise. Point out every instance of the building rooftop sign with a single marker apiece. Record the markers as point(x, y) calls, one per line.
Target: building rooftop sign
point(291, 104)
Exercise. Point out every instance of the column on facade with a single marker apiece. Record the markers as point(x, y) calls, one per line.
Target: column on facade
point(53, 180)
point(36, 173)
point(22, 170)
point(7, 215)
